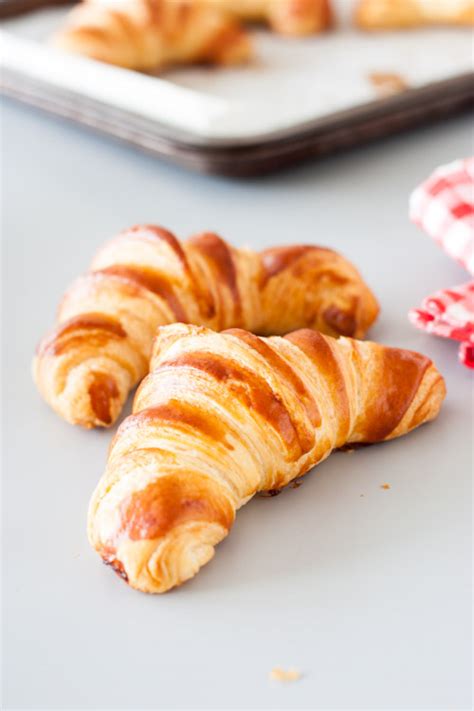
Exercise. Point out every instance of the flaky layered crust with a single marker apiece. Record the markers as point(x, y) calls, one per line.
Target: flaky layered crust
point(152, 34)
point(289, 17)
point(224, 416)
point(146, 277)
point(392, 14)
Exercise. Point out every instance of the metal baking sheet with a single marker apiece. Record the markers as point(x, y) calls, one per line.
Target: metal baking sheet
point(306, 89)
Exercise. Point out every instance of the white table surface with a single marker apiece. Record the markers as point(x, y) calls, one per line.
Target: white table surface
point(368, 596)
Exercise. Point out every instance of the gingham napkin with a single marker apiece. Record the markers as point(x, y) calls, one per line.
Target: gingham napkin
point(450, 313)
point(444, 207)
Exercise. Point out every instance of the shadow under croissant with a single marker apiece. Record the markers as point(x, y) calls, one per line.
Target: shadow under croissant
point(296, 483)
point(249, 519)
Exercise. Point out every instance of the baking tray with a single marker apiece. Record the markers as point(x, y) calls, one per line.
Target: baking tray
point(299, 99)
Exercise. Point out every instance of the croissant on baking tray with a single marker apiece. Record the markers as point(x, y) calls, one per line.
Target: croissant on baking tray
point(222, 416)
point(151, 34)
point(289, 17)
point(388, 14)
point(145, 277)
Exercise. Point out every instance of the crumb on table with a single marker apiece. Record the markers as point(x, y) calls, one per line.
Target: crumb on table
point(269, 493)
point(385, 486)
point(387, 84)
point(279, 674)
point(296, 483)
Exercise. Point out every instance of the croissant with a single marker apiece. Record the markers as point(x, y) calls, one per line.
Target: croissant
point(150, 34)
point(145, 278)
point(388, 14)
point(289, 17)
point(224, 416)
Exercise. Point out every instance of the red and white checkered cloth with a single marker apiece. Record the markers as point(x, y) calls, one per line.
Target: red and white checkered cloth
point(450, 313)
point(444, 207)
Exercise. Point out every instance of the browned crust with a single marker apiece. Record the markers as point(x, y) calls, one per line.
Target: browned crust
point(251, 389)
point(152, 280)
point(278, 259)
point(162, 234)
point(340, 321)
point(373, 15)
point(97, 329)
point(230, 40)
point(425, 408)
point(219, 255)
point(173, 500)
point(284, 371)
point(398, 377)
point(180, 414)
point(316, 347)
point(302, 16)
point(102, 390)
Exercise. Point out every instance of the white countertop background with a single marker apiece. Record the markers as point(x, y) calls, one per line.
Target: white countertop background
point(368, 596)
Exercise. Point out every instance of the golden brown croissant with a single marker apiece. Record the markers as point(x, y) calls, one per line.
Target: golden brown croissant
point(290, 17)
point(145, 278)
point(224, 416)
point(150, 34)
point(387, 14)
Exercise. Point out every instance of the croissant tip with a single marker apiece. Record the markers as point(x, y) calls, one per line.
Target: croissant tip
point(117, 567)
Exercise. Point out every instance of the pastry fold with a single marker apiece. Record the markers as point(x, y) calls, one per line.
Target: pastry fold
point(392, 14)
point(145, 278)
point(222, 416)
point(152, 34)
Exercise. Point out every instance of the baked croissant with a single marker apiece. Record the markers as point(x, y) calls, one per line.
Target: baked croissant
point(388, 14)
point(223, 416)
point(150, 34)
point(145, 278)
point(289, 17)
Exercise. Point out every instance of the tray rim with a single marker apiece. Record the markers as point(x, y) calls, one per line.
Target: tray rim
point(442, 90)
point(249, 155)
